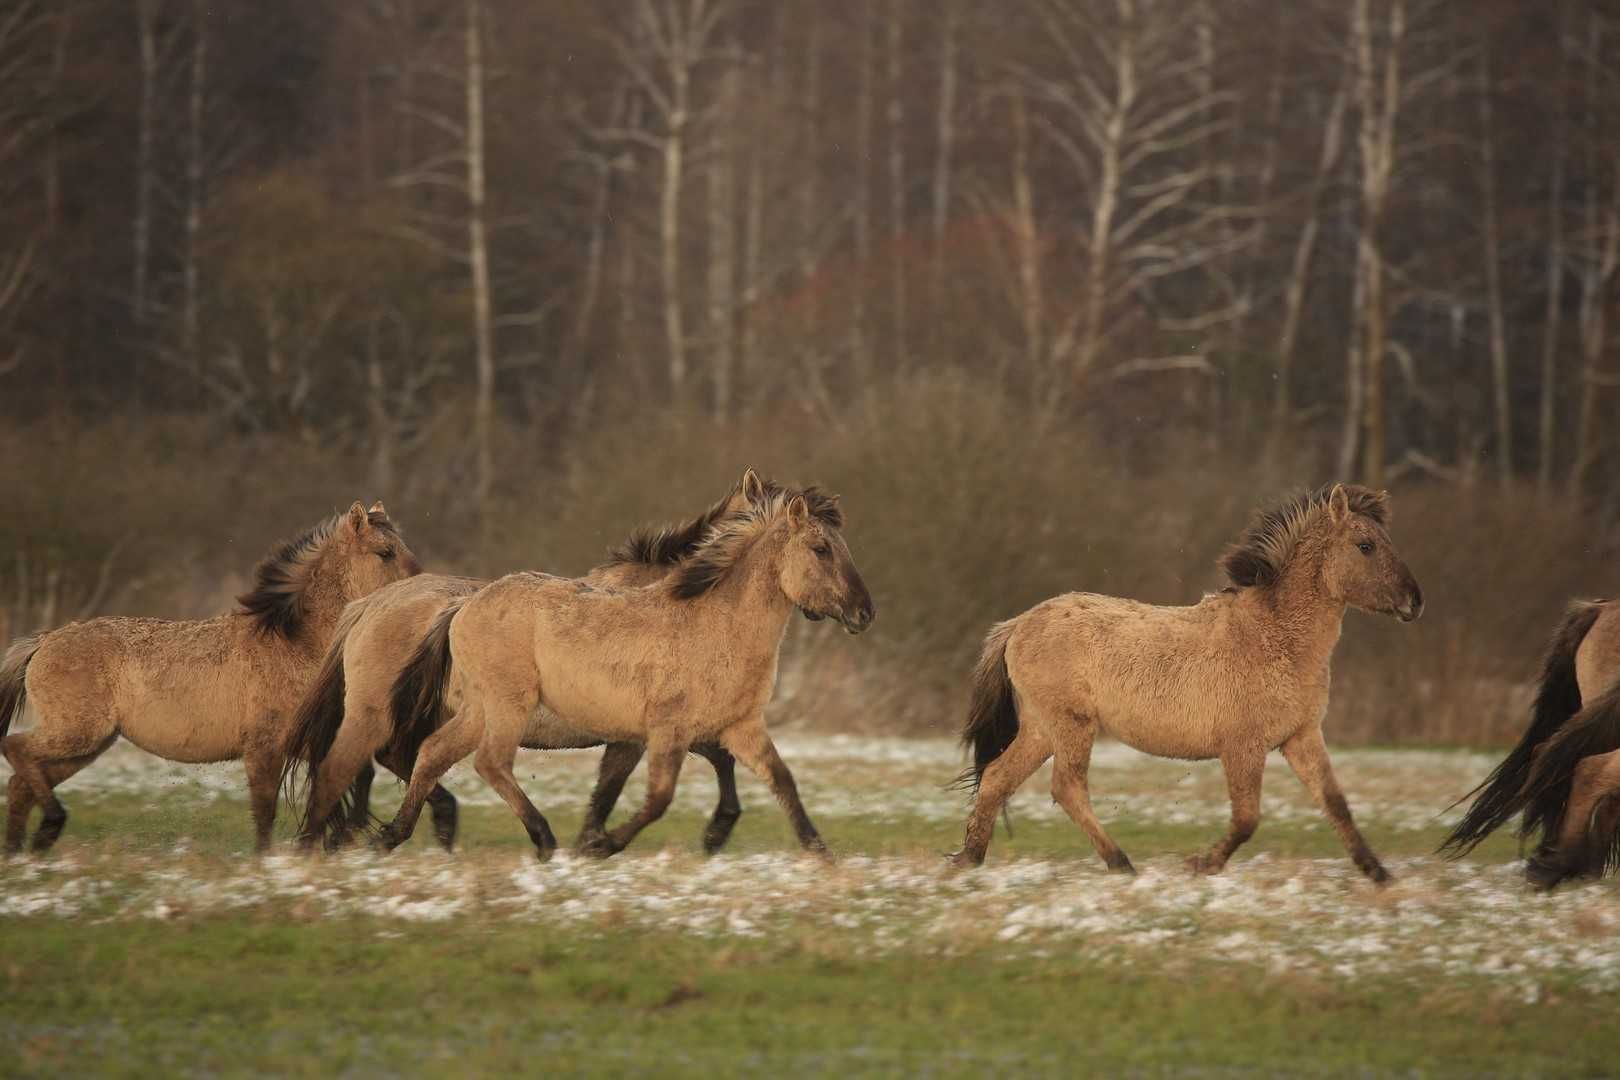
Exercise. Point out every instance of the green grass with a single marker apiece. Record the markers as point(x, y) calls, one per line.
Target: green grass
point(241, 996)
point(280, 987)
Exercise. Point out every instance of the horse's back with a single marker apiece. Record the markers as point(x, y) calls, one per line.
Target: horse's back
point(170, 687)
point(1174, 681)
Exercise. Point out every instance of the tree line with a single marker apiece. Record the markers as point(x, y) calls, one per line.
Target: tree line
point(1381, 232)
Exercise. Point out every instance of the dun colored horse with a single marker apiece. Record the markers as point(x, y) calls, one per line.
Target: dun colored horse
point(215, 690)
point(688, 660)
point(345, 721)
point(1239, 674)
point(1564, 775)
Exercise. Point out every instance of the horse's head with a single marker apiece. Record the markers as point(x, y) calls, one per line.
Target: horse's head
point(1361, 566)
point(818, 574)
point(369, 552)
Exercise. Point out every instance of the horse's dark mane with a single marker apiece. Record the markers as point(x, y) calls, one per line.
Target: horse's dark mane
point(276, 601)
point(726, 541)
point(666, 545)
point(1258, 556)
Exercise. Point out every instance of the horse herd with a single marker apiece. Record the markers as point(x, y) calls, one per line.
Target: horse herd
point(345, 653)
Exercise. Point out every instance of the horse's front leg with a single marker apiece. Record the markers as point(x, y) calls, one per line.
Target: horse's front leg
point(1306, 753)
point(664, 760)
point(1245, 768)
point(752, 745)
point(729, 808)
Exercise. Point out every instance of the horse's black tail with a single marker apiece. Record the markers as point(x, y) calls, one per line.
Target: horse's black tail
point(1502, 795)
point(416, 702)
point(315, 725)
point(14, 678)
point(992, 722)
point(1595, 730)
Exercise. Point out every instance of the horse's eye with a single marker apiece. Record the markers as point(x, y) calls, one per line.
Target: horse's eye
point(1365, 547)
point(386, 554)
point(821, 551)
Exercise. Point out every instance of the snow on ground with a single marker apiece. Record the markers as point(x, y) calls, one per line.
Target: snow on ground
point(906, 780)
point(1314, 917)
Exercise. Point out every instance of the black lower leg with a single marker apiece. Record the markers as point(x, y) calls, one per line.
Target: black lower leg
point(359, 815)
point(50, 827)
point(442, 805)
point(729, 808)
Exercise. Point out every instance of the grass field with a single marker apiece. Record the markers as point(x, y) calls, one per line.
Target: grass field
point(152, 941)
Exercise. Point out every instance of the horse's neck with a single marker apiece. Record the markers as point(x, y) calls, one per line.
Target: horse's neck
point(1308, 620)
point(324, 602)
point(748, 607)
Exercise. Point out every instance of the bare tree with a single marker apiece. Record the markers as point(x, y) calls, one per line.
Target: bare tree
point(1493, 274)
point(1128, 116)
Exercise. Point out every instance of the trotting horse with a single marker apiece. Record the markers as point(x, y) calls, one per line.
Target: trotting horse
point(687, 660)
point(344, 720)
point(1564, 775)
point(1239, 674)
point(220, 689)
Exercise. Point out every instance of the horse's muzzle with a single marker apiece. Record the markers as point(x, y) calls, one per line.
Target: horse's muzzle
point(1410, 609)
point(856, 621)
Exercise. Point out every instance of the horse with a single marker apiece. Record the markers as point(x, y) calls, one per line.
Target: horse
point(1235, 676)
point(219, 689)
point(344, 720)
point(1564, 774)
point(686, 660)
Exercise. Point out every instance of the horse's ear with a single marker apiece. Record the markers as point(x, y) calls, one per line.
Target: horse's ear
point(752, 487)
point(356, 518)
point(1339, 504)
point(799, 511)
point(378, 508)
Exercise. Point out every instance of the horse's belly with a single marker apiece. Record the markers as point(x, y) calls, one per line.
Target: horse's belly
point(548, 731)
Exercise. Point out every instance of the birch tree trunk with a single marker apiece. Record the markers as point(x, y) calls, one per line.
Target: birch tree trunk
point(145, 20)
point(862, 208)
point(1553, 317)
point(1493, 276)
point(1026, 240)
point(944, 137)
point(194, 187)
point(478, 256)
point(1304, 250)
point(897, 184)
point(722, 282)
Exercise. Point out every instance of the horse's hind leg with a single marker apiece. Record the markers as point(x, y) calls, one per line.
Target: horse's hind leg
point(494, 763)
point(1586, 824)
point(1307, 755)
point(1071, 791)
point(42, 759)
point(452, 742)
point(729, 808)
point(360, 796)
point(1245, 769)
point(619, 760)
point(1003, 776)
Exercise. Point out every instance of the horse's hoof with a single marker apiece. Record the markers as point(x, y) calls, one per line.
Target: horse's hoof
point(1543, 875)
point(545, 853)
point(962, 860)
point(387, 839)
point(717, 833)
point(600, 846)
point(1377, 874)
point(1122, 865)
point(1203, 865)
